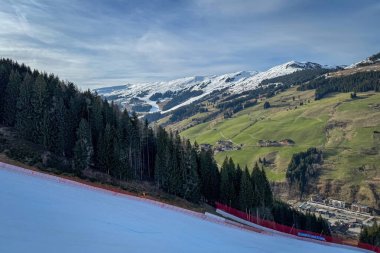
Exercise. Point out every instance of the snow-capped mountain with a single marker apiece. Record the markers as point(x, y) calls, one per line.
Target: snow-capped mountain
point(155, 96)
point(374, 59)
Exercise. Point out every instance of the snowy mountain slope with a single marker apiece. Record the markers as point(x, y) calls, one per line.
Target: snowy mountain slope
point(72, 218)
point(193, 88)
point(374, 59)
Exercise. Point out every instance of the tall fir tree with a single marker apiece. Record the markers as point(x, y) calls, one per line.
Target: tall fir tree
point(83, 150)
point(38, 97)
point(107, 150)
point(246, 195)
point(227, 187)
point(191, 189)
point(209, 176)
point(24, 116)
point(10, 99)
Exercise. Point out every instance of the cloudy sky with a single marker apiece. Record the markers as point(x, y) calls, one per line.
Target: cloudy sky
point(101, 43)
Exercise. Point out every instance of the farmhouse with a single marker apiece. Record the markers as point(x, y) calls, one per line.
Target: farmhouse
point(269, 143)
point(359, 208)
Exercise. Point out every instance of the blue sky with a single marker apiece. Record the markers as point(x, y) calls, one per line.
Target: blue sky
point(101, 43)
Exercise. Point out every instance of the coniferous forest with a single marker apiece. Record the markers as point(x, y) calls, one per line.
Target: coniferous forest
point(86, 132)
point(371, 235)
point(357, 82)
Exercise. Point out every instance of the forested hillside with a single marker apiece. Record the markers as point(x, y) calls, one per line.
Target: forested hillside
point(77, 132)
point(85, 132)
point(343, 127)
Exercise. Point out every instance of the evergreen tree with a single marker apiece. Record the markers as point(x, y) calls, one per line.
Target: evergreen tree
point(24, 115)
point(38, 96)
point(371, 235)
point(268, 195)
point(262, 191)
point(246, 195)
point(83, 147)
point(106, 150)
point(227, 188)
point(209, 176)
point(10, 99)
point(58, 124)
point(4, 78)
point(237, 174)
point(162, 159)
point(191, 189)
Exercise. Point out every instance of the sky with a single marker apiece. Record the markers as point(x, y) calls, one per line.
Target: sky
point(96, 43)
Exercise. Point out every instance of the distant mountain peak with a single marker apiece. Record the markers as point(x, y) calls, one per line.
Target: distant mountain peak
point(373, 59)
point(303, 65)
point(150, 96)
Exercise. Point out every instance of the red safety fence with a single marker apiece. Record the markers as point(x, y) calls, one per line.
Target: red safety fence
point(291, 230)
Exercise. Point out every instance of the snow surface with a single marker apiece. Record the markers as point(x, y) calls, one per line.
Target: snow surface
point(234, 82)
point(40, 213)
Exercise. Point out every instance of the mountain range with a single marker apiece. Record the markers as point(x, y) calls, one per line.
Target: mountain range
point(154, 97)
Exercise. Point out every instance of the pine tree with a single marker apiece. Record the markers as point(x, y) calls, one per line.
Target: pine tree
point(10, 99)
point(38, 96)
point(262, 191)
point(106, 150)
point(227, 188)
point(246, 195)
point(256, 184)
point(124, 138)
point(209, 176)
point(24, 115)
point(237, 183)
point(191, 189)
point(57, 122)
point(162, 159)
point(83, 150)
point(4, 78)
point(268, 195)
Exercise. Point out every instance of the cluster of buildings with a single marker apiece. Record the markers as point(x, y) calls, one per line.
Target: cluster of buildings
point(269, 143)
point(344, 218)
point(221, 145)
point(354, 207)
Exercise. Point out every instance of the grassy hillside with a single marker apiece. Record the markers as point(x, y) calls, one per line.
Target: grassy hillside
point(345, 129)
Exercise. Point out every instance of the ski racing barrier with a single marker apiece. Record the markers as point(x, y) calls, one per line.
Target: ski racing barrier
point(274, 227)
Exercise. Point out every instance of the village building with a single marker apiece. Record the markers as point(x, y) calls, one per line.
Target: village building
point(337, 203)
point(359, 208)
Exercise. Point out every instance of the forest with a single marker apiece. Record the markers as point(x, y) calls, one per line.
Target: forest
point(302, 168)
point(298, 77)
point(358, 82)
point(88, 133)
point(371, 235)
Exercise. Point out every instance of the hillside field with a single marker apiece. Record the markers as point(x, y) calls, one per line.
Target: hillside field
point(345, 129)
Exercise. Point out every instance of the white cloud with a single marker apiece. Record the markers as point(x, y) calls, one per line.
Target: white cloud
point(94, 43)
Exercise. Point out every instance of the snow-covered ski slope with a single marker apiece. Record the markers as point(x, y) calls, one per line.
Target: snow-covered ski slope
point(40, 213)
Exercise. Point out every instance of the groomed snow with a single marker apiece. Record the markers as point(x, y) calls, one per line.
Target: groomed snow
point(41, 214)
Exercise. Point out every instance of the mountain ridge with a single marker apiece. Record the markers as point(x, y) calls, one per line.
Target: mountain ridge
point(131, 95)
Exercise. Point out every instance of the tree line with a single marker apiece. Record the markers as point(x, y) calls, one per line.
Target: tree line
point(90, 133)
point(297, 77)
point(357, 82)
point(251, 193)
point(371, 235)
point(303, 167)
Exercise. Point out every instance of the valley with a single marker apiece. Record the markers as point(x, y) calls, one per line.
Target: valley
point(343, 128)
